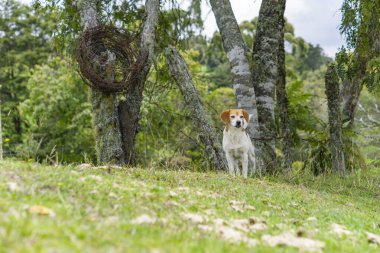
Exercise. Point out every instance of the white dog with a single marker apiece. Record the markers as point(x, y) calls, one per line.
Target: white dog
point(236, 142)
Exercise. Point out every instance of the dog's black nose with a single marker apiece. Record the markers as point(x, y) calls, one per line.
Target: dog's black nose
point(238, 123)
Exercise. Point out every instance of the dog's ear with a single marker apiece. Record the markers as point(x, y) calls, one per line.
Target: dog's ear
point(225, 116)
point(246, 115)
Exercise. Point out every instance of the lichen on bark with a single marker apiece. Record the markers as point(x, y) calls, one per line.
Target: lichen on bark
point(265, 71)
point(104, 106)
point(335, 122)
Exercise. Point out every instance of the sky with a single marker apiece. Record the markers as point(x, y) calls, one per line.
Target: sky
point(317, 21)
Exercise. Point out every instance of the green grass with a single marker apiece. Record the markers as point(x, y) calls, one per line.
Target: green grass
point(94, 208)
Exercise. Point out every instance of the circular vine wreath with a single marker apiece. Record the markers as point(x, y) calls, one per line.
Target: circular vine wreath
point(109, 58)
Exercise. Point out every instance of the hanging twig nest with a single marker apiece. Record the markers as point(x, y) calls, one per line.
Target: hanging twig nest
point(109, 58)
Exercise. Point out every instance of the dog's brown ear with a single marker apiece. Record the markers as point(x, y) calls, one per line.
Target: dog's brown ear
point(246, 115)
point(225, 116)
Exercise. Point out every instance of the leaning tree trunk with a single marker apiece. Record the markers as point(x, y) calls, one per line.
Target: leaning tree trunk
point(282, 100)
point(106, 121)
point(335, 123)
point(265, 70)
point(180, 72)
point(129, 110)
point(236, 51)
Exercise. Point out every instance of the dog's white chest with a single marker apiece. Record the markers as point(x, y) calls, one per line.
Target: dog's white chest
point(236, 140)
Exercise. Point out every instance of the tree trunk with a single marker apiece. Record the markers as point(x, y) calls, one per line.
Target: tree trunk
point(236, 51)
point(265, 70)
point(106, 121)
point(335, 123)
point(180, 72)
point(282, 101)
point(129, 109)
point(351, 90)
point(1, 137)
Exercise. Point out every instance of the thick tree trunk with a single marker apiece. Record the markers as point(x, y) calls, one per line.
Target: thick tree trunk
point(265, 70)
point(106, 121)
point(236, 51)
point(237, 55)
point(129, 109)
point(335, 123)
point(282, 101)
point(180, 72)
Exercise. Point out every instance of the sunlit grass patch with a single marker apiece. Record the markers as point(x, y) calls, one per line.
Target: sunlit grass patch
point(97, 209)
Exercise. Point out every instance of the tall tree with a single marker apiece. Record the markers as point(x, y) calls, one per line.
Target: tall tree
point(256, 87)
point(335, 122)
point(360, 25)
point(237, 55)
point(106, 118)
point(282, 98)
point(180, 72)
point(266, 70)
point(129, 109)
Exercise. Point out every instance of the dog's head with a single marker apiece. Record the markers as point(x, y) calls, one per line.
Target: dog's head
point(237, 118)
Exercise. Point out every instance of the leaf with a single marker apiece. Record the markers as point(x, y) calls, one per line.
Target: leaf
point(240, 206)
point(41, 210)
point(84, 166)
point(288, 239)
point(373, 238)
point(193, 217)
point(13, 187)
point(144, 219)
point(234, 236)
point(173, 194)
point(340, 230)
point(248, 225)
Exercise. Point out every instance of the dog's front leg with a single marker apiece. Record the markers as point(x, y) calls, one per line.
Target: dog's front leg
point(231, 163)
point(245, 164)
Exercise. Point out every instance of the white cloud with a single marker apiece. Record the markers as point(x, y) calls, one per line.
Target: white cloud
point(317, 21)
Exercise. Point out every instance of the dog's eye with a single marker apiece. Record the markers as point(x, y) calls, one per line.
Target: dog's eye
point(233, 116)
point(241, 117)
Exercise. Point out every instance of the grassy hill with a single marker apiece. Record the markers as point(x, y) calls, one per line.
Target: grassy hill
point(102, 209)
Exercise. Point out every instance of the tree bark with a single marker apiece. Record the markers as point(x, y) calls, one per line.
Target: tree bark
point(129, 110)
point(1, 137)
point(180, 72)
point(106, 121)
point(236, 51)
point(265, 70)
point(351, 90)
point(335, 123)
point(237, 55)
point(282, 100)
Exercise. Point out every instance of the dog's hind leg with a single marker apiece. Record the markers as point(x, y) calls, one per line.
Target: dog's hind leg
point(237, 169)
point(245, 164)
point(252, 159)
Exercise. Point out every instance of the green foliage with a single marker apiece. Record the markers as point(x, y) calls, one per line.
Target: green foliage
point(57, 114)
point(24, 42)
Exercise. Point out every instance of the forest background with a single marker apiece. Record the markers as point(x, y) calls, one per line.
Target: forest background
point(47, 116)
